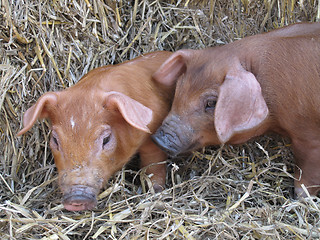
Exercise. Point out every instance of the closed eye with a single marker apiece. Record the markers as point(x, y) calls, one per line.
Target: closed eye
point(54, 142)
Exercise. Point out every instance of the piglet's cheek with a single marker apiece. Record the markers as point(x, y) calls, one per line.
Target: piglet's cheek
point(209, 138)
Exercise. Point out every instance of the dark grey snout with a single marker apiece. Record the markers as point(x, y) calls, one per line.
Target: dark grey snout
point(80, 198)
point(174, 136)
point(165, 142)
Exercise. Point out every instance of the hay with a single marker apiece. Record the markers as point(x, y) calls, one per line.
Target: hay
point(240, 192)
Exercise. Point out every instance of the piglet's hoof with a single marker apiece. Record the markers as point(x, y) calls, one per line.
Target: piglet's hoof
point(300, 193)
point(158, 188)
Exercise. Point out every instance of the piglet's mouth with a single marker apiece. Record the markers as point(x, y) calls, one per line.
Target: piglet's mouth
point(80, 198)
point(172, 148)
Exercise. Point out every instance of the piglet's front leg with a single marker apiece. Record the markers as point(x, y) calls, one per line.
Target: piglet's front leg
point(150, 156)
point(307, 172)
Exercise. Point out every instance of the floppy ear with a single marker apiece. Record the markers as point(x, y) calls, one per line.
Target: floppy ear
point(37, 111)
point(240, 105)
point(172, 68)
point(136, 114)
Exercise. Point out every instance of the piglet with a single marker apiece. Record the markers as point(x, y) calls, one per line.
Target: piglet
point(100, 122)
point(229, 94)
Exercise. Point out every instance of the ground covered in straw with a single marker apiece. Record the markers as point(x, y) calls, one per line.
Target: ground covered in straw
point(239, 192)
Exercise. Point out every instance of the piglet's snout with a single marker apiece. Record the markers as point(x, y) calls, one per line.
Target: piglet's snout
point(166, 142)
point(80, 198)
point(168, 136)
point(80, 187)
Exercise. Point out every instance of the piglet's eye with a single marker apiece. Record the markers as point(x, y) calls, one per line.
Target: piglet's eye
point(55, 140)
point(210, 104)
point(54, 143)
point(105, 140)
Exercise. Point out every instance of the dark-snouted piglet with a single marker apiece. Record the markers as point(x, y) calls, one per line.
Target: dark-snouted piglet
point(229, 94)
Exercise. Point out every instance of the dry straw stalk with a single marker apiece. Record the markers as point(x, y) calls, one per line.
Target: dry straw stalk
point(241, 192)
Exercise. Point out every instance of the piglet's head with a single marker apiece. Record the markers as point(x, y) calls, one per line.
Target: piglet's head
point(216, 101)
point(89, 129)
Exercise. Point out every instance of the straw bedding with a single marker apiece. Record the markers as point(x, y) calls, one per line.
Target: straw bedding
point(233, 192)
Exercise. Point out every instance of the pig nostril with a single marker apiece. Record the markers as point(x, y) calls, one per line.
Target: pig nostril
point(80, 198)
point(161, 133)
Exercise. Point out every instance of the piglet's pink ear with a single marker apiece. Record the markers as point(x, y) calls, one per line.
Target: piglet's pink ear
point(37, 111)
point(136, 114)
point(172, 68)
point(240, 104)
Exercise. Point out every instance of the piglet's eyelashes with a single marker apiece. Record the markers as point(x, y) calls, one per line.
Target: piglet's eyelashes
point(107, 140)
point(54, 141)
point(210, 104)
